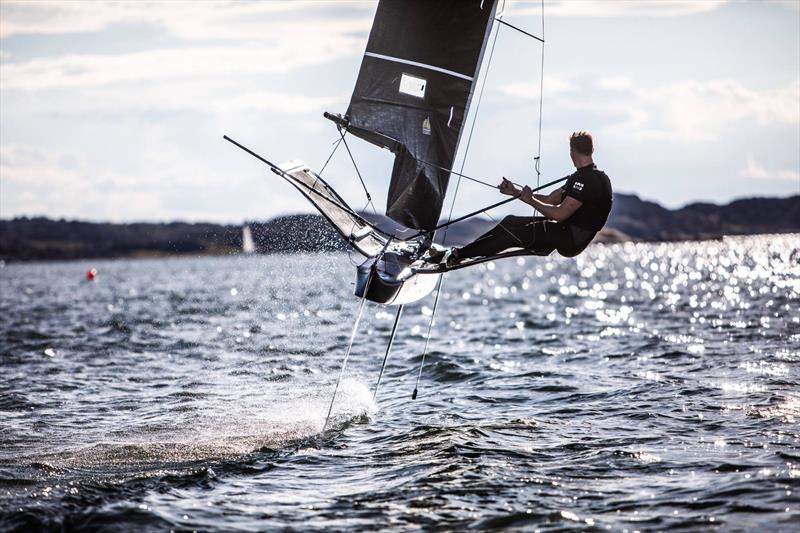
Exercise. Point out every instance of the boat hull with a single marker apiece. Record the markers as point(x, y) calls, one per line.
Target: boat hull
point(389, 280)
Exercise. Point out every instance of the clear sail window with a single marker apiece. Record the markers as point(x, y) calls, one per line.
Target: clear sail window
point(412, 85)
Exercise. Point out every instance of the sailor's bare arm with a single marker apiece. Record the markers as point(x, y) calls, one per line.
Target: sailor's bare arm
point(558, 212)
point(553, 197)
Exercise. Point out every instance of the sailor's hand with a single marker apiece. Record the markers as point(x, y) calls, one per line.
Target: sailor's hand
point(506, 187)
point(526, 195)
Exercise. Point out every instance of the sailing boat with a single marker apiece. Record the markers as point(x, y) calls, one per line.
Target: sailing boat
point(412, 96)
point(413, 91)
point(248, 246)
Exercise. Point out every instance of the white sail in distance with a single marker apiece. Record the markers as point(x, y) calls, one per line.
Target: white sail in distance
point(248, 245)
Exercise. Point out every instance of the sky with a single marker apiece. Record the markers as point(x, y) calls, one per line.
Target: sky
point(116, 111)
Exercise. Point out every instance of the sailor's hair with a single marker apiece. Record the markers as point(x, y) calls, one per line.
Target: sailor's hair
point(581, 142)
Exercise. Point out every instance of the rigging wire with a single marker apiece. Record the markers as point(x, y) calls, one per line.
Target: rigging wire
point(538, 159)
point(541, 98)
point(501, 21)
point(439, 284)
point(314, 192)
point(390, 236)
point(358, 172)
point(336, 144)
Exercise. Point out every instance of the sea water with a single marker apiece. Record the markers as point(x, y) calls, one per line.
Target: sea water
point(637, 387)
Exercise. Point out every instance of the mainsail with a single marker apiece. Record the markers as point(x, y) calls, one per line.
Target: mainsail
point(412, 95)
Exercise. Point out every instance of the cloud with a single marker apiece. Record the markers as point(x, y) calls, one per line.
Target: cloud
point(124, 130)
point(688, 111)
point(225, 63)
point(77, 185)
point(553, 85)
point(22, 165)
point(616, 8)
point(157, 101)
point(793, 5)
point(187, 20)
point(701, 111)
point(136, 135)
point(731, 100)
point(34, 182)
point(614, 83)
point(171, 64)
point(753, 169)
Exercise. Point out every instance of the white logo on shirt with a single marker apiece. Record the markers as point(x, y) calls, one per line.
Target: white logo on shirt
point(578, 186)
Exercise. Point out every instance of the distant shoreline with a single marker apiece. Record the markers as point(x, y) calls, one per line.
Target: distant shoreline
point(631, 219)
point(147, 255)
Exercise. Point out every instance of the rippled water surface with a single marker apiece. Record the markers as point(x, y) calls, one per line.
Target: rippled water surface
point(638, 387)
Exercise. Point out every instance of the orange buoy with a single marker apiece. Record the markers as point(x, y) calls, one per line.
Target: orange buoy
point(91, 275)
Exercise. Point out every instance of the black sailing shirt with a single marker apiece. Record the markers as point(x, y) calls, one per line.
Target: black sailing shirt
point(592, 188)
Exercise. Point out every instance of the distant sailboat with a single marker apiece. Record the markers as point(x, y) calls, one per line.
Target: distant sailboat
point(248, 246)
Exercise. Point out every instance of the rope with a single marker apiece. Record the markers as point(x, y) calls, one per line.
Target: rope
point(502, 227)
point(460, 175)
point(483, 209)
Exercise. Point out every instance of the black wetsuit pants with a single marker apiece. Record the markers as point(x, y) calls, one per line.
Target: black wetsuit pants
point(537, 234)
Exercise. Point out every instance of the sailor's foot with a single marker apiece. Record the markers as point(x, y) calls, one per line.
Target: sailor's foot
point(452, 258)
point(435, 254)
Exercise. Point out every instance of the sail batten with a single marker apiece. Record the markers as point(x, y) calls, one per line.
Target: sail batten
point(417, 64)
point(412, 96)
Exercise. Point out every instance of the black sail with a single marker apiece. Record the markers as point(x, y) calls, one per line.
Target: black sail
point(413, 92)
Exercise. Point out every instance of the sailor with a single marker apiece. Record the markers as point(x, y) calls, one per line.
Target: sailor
point(572, 217)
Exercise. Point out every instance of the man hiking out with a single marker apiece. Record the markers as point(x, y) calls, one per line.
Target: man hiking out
point(572, 217)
